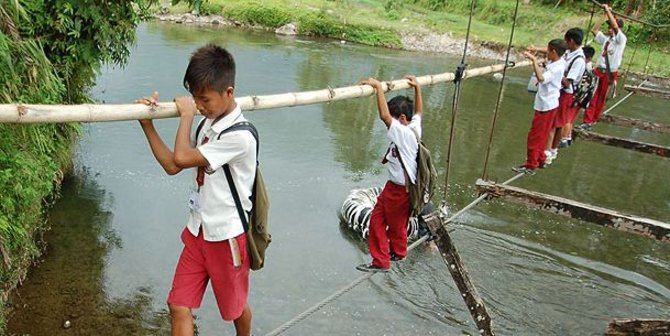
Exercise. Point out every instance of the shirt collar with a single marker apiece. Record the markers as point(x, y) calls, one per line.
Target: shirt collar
point(226, 121)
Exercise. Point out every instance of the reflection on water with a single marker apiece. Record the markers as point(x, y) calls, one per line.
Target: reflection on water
point(70, 284)
point(539, 273)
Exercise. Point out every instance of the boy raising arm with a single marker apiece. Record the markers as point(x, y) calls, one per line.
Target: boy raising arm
point(387, 239)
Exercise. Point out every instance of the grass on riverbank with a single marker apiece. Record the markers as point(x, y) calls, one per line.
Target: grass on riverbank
point(381, 22)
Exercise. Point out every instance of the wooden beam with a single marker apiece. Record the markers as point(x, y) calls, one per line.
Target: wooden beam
point(635, 123)
point(624, 143)
point(460, 275)
point(648, 91)
point(641, 327)
point(573, 209)
point(24, 113)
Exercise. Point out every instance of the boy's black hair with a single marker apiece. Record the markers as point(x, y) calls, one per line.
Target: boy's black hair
point(210, 67)
point(575, 34)
point(589, 51)
point(559, 46)
point(619, 22)
point(399, 105)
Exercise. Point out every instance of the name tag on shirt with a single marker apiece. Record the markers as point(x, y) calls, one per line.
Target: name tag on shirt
point(194, 201)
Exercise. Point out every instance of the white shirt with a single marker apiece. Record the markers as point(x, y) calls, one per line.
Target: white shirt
point(218, 214)
point(576, 71)
point(403, 141)
point(614, 49)
point(549, 90)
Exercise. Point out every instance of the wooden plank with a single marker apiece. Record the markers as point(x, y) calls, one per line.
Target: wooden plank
point(636, 123)
point(648, 91)
point(641, 327)
point(573, 209)
point(623, 143)
point(460, 275)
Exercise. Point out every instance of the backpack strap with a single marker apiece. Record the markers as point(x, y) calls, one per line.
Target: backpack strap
point(567, 71)
point(243, 125)
point(199, 128)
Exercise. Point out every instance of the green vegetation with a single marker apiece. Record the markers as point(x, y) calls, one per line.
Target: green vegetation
point(50, 53)
point(381, 22)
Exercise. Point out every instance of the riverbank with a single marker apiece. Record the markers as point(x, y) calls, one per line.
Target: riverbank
point(415, 27)
point(411, 41)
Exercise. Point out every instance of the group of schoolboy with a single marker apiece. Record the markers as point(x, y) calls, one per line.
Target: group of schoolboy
point(555, 106)
point(215, 241)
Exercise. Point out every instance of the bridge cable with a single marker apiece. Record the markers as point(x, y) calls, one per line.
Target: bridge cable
point(500, 93)
point(588, 27)
point(460, 71)
point(309, 312)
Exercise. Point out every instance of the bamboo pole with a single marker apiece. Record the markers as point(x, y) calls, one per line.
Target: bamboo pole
point(25, 113)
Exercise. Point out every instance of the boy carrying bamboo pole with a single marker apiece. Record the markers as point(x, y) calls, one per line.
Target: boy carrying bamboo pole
point(215, 242)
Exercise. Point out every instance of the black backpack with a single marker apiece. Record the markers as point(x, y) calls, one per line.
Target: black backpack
point(585, 90)
point(258, 237)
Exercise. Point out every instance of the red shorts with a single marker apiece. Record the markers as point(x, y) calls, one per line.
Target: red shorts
point(201, 261)
point(565, 110)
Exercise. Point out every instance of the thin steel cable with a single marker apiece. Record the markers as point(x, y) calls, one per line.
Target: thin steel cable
point(500, 94)
point(307, 313)
point(454, 105)
point(653, 37)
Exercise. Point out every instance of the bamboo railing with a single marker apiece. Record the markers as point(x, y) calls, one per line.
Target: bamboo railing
point(27, 113)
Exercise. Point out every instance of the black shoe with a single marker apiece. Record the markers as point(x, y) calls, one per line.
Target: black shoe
point(371, 268)
point(523, 169)
point(396, 258)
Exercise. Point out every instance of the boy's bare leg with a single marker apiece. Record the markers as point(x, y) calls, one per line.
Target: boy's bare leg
point(182, 320)
point(567, 131)
point(556, 139)
point(243, 323)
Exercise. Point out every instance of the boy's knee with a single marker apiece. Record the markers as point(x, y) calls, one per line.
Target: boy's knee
point(179, 312)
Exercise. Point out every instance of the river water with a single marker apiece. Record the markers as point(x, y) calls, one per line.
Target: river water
point(115, 232)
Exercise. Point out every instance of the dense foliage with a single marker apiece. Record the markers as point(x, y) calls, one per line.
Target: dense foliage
point(50, 53)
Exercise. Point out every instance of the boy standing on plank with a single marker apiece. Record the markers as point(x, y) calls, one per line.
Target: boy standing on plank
point(215, 244)
point(575, 66)
point(387, 240)
point(608, 64)
point(545, 105)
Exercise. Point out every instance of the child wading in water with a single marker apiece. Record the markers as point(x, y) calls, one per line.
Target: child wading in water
point(388, 223)
point(545, 105)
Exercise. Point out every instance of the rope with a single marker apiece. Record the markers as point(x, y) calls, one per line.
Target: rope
point(648, 55)
point(632, 18)
point(500, 94)
point(309, 312)
point(588, 27)
point(454, 104)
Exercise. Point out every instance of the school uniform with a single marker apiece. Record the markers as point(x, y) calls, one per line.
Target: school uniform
point(546, 106)
point(575, 66)
point(388, 222)
point(214, 239)
point(613, 48)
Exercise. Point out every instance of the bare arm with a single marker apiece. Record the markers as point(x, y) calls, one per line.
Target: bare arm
point(418, 99)
point(160, 150)
point(536, 66)
point(611, 19)
point(185, 156)
point(596, 27)
point(534, 49)
point(384, 113)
